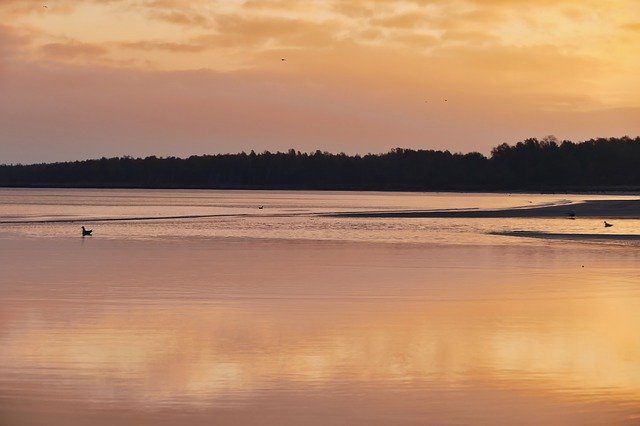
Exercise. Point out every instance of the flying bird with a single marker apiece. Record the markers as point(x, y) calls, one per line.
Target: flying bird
point(45, 6)
point(86, 231)
point(283, 59)
point(260, 207)
point(607, 224)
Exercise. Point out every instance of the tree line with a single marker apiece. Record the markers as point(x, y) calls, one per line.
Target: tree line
point(532, 164)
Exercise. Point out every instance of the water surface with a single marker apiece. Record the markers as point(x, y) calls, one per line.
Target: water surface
point(283, 316)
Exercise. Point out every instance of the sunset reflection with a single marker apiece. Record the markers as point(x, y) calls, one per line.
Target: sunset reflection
point(269, 331)
point(194, 354)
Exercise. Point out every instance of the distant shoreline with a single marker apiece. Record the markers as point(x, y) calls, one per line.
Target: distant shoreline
point(532, 165)
point(629, 209)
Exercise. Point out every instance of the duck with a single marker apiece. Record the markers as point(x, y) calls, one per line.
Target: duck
point(86, 231)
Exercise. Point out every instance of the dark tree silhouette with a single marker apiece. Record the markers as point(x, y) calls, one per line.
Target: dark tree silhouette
point(532, 164)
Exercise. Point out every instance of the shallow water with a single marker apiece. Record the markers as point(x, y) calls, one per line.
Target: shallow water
point(138, 214)
point(281, 316)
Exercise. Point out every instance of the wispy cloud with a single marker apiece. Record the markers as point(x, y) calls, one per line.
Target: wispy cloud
point(189, 18)
point(73, 49)
point(165, 46)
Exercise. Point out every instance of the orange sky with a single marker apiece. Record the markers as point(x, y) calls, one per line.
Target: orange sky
point(82, 79)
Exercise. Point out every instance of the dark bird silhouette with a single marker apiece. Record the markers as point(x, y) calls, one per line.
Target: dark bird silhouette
point(607, 224)
point(45, 6)
point(283, 59)
point(260, 207)
point(86, 231)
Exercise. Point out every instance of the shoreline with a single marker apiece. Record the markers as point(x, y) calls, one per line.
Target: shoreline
point(575, 237)
point(629, 209)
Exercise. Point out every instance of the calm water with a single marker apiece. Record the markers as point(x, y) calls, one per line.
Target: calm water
point(280, 315)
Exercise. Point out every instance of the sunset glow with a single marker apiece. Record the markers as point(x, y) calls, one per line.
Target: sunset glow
point(83, 79)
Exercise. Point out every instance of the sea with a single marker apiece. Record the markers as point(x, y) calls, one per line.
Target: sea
point(206, 307)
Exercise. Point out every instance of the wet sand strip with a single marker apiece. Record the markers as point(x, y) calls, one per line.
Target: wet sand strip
point(578, 237)
point(144, 218)
point(629, 209)
point(117, 219)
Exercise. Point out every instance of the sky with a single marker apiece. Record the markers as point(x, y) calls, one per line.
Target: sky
point(90, 78)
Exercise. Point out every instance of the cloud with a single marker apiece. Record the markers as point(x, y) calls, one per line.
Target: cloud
point(297, 6)
point(413, 40)
point(186, 18)
point(73, 50)
point(165, 46)
point(407, 20)
point(237, 31)
point(469, 38)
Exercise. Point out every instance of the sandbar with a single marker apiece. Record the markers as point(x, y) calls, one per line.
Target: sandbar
point(629, 209)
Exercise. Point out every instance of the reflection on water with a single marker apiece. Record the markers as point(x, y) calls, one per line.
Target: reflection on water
point(195, 354)
point(192, 330)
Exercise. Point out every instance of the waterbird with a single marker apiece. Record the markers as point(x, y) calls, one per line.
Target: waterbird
point(283, 59)
point(86, 231)
point(260, 207)
point(607, 225)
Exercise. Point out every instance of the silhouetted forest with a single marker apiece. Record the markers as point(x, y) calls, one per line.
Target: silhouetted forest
point(546, 165)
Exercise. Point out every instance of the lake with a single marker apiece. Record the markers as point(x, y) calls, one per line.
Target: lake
point(199, 307)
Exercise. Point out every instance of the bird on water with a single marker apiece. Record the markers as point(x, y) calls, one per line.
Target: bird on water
point(86, 231)
point(607, 224)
